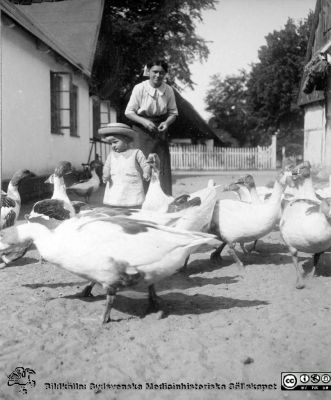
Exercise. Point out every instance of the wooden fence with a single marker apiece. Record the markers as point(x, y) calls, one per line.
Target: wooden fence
point(201, 157)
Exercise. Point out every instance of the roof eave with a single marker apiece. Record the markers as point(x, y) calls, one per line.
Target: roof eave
point(15, 14)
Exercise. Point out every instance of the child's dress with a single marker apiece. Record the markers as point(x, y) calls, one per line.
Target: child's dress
point(125, 170)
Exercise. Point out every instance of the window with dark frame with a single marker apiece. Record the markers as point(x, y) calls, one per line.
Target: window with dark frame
point(64, 101)
point(103, 114)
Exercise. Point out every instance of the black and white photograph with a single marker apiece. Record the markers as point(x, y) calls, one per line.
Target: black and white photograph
point(165, 187)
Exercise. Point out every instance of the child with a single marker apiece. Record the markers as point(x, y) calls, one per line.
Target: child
point(124, 171)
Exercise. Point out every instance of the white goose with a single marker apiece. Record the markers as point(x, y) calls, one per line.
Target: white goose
point(95, 247)
point(326, 191)
point(190, 212)
point(248, 193)
point(10, 209)
point(248, 187)
point(59, 207)
point(86, 188)
point(240, 192)
point(11, 201)
point(193, 215)
point(303, 184)
point(306, 223)
point(236, 221)
point(156, 199)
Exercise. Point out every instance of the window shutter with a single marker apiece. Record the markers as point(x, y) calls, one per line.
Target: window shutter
point(73, 110)
point(55, 102)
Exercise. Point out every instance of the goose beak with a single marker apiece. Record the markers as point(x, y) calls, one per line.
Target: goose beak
point(233, 187)
point(31, 175)
point(49, 179)
point(240, 181)
point(69, 170)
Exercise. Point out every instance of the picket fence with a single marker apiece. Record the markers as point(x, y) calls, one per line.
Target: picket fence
point(199, 157)
point(202, 157)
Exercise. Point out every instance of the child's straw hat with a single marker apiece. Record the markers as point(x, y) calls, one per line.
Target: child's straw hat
point(116, 129)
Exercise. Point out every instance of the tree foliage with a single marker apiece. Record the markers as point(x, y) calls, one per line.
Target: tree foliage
point(274, 85)
point(271, 90)
point(227, 100)
point(135, 31)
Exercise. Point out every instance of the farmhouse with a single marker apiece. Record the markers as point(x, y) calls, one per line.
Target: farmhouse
point(47, 58)
point(315, 93)
point(50, 108)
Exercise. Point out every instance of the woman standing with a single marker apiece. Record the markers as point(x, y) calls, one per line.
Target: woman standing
point(152, 107)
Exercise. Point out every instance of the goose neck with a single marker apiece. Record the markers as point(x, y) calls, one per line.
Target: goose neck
point(255, 197)
point(12, 192)
point(155, 175)
point(277, 192)
point(305, 190)
point(60, 189)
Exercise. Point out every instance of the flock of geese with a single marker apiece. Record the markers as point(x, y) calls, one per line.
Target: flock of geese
point(119, 247)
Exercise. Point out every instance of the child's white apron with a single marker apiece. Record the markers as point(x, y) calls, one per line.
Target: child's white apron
point(126, 186)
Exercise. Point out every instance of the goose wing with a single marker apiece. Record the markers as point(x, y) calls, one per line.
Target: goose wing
point(198, 216)
point(15, 251)
point(313, 206)
point(9, 210)
point(51, 208)
point(182, 202)
point(7, 201)
point(8, 218)
point(137, 242)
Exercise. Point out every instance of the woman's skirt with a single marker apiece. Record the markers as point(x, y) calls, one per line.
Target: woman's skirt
point(148, 143)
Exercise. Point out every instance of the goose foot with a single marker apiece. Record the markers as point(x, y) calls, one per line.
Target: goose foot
point(240, 265)
point(299, 285)
point(87, 291)
point(314, 271)
point(241, 270)
point(183, 270)
point(299, 271)
point(5, 260)
point(3, 265)
point(243, 248)
point(111, 293)
point(215, 256)
point(156, 304)
point(249, 249)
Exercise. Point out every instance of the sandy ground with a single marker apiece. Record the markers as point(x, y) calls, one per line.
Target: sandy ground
point(221, 329)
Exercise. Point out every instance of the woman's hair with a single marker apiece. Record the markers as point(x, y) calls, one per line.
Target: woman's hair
point(160, 63)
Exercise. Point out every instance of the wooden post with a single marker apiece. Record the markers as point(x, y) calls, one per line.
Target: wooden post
point(274, 151)
point(210, 144)
point(283, 156)
point(0, 109)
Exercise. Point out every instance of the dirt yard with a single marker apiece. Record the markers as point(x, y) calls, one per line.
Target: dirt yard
point(221, 330)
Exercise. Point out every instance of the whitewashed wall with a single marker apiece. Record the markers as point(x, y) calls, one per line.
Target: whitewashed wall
point(314, 133)
point(27, 140)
